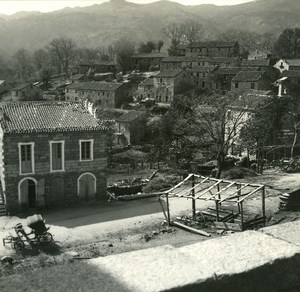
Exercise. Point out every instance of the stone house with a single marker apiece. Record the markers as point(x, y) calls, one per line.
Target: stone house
point(99, 67)
point(52, 154)
point(202, 77)
point(145, 62)
point(246, 80)
point(225, 61)
point(287, 64)
point(213, 49)
point(104, 94)
point(182, 62)
point(146, 89)
point(223, 77)
point(131, 127)
point(168, 83)
point(259, 55)
point(26, 91)
point(262, 64)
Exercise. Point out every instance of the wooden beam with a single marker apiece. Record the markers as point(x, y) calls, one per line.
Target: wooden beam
point(195, 186)
point(238, 190)
point(228, 226)
point(220, 191)
point(179, 184)
point(249, 195)
point(207, 190)
point(194, 230)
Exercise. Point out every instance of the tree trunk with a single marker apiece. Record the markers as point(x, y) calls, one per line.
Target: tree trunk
point(220, 161)
point(294, 142)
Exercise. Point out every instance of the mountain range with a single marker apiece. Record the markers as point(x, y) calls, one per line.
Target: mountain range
point(102, 24)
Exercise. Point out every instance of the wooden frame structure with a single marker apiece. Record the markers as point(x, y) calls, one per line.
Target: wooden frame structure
point(197, 187)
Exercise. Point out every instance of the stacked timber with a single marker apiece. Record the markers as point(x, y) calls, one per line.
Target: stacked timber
point(290, 201)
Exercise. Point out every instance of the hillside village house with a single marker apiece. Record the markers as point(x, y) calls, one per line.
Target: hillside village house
point(225, 61)
point(177, 62)
point(143, 62)
point(288, 64)
point(51, 154)
point(26, 91)
point(167, 83)
point(104, 94)
point(213, 49)
point(259, 55)
point(224, 76)
point(260, 64)
point(99, 67)
point(146, 89)
point(202, 77)
point(245, 80)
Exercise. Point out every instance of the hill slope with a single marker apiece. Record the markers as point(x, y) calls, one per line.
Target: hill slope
point(105, 23)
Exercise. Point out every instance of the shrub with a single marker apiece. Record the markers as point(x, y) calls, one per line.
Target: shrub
point(238, 172)
point(159, 184)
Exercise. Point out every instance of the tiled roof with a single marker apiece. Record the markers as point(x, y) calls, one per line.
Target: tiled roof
point(224, 59)
point(77, 76)
point(21, 86)
point(129, 117)
point(228, 70)
point(95, 86)
point(256, 63)
point(180, 59)
point(169, 73)
point(150, 55)
point(293, 62)
point(212, 45)
point(147, 82)
point(203, 69)
point(291, 73)
point(247, 76)
point(37, 117)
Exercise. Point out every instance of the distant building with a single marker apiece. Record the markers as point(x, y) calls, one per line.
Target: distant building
point(202, 77)
point(77, 78)
point(147, 62)
point(182, 62)
point(104, 94)
point(262, 64)
point(51, 154)
point(26, 91)
point(288, 64)
point(168, 83)
point(213, 49)
point(246, 80)
point(99, 67)
point(146, 89)
point(225, 61)
point(259, 55)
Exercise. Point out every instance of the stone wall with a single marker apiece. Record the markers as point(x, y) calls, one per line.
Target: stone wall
point(56, 188)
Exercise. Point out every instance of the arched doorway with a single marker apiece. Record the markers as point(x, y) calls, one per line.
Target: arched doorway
point(28, 192)
point(87, 186)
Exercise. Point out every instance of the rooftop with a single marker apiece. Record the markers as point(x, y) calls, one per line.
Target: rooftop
point(212, 44)
point(169, 73)
point(147, 82)
point(256, 63)
point(224, 59)
point(2, 81)
point(95, 86)
point(228, 70)
point(291, 73)
point(185, 59)
point(46, 117)
point(247, 76)
point(150, 55)
point(77, 76)
point(21, 86)
point(293, 62)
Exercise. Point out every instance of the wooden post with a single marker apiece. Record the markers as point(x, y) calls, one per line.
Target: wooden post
point(242, 214)
point(239, 193)
point(168, 210)
point(264, 204)
point(193, 200)
point(217, 202)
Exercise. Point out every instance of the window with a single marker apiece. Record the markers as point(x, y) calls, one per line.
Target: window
point(236, 85)
point(252, 85)
point(26, 158)
point(57, 156)
point(203, 84)
point(86, 150)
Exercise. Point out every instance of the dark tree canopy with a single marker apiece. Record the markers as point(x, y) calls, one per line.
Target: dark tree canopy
point(288, 44)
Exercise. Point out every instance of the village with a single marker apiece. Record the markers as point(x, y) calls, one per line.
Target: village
point(144, 146)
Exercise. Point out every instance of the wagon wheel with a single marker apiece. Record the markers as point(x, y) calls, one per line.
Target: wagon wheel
point(18, 245)
point(45, 238)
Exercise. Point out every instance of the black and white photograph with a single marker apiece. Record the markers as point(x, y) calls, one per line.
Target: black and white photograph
point(150, 145)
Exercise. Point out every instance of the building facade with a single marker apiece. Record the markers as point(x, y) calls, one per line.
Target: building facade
point(52, 154)
point(26, 91)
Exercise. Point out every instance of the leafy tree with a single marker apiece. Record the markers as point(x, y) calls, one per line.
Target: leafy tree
point(159, 45)
point(124, 50)
point(263, 127)
point(64, 49)
point(145, 48)
point(288, 44)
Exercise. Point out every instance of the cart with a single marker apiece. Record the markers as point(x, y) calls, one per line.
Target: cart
point(39, 234)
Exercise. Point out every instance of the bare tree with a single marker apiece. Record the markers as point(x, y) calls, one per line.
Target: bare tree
point(65, 50)
point(192, 31)
point(174, 32)
point(124, 50)
point(22, 64)
point(40, 59)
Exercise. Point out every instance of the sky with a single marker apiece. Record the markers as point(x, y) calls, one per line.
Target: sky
point(11, 7)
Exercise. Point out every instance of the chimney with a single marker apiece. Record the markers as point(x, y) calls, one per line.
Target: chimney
point(280, 89)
